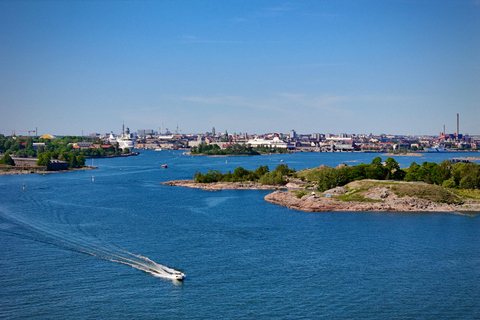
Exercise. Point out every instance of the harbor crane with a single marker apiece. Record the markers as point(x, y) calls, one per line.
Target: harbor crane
point(14, 131)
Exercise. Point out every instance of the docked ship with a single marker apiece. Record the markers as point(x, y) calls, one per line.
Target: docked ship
point(124, 140)
point(437, 148)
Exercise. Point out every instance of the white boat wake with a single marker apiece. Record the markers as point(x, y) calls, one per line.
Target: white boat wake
point(42, 232)
point(139, 262)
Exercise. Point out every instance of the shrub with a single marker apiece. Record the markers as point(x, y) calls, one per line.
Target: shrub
point(6, 159)
point(450, 183)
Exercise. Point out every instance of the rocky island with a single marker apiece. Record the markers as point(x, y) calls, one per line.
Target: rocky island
point(379, 186)
point(364, 195)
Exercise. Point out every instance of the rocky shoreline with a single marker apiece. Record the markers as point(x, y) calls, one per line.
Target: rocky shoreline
point(377, 198)
point(246, 185)
point(315, 203)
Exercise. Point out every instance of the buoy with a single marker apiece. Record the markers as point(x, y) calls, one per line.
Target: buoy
point(23, 186)
point(93, 179)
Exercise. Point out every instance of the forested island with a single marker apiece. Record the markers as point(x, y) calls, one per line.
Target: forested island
point(378, 186)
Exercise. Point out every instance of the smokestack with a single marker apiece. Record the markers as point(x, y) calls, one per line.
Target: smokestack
point(443, 129)
point(457, 125)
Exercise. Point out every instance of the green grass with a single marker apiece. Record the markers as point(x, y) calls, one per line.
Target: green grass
point(419, 190)
point(301, 193)
point(355, 197)
point(467, 193)
point(310, 175)
point(427, 192)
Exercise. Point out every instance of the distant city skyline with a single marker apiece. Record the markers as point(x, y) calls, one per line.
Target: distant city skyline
point(349, 66)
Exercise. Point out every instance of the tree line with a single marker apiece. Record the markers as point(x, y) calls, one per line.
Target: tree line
point(458, 175)
point(262, 175)
point(446, 174)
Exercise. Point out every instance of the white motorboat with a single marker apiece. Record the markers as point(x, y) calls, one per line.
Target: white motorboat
point(178, 275)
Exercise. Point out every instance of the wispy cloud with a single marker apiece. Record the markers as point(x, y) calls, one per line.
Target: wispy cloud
point(269, 12)
point(285, 102)
point(278, 10)
point(282, 102)
point(321, 65)
point(194, 39)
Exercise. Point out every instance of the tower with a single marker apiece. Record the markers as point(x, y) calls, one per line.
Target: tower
point(458, 132)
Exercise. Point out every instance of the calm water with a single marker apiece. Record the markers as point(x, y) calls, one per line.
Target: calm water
point(244, 258)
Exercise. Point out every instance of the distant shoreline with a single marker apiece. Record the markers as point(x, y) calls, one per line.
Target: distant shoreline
point(11, 171)
point(409, 154)
point(468, 158)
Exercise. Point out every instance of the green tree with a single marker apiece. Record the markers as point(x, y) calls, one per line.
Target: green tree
point(330, 178)
point(81, 161)
point(7, 145)
point(429, 172)
point(272, 178)
point(284, 170)
point(393, 169)
point(444, 172)
point(44, 160)
point(450, 183)
point(241, 174)
point(7, 160)
point(413, 173)
point(72, 161)
point(260, 171)
point(377, 161)
point(467, 175)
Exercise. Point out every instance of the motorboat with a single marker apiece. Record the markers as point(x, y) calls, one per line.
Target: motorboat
point(177, 275)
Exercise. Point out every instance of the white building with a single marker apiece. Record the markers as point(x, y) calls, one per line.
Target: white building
point(276, 142)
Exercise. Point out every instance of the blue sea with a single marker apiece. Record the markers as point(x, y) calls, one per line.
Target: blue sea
point(73, 246)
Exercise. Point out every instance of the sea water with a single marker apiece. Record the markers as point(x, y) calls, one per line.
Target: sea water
point(79, 245)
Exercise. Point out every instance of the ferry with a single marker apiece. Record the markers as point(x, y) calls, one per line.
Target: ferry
point(124, 140)
point(437, 148)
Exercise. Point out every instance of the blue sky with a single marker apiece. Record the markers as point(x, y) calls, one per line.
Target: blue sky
point(384, 66)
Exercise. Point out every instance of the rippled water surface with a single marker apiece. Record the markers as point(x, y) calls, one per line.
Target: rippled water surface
point(79, 245)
